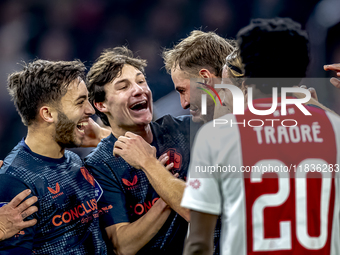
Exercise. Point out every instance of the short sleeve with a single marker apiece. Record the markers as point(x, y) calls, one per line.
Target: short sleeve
point(111, 204)
point(202, 192)
point(23, 241)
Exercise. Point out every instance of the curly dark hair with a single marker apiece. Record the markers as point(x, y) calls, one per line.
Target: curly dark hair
point(106, 68)
point(273, 48)
point(42, 82)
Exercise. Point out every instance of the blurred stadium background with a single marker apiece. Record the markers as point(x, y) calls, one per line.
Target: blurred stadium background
point(69, 29)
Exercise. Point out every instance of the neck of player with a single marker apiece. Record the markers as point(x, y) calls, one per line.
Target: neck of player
point(141, 130)
point(43, 143)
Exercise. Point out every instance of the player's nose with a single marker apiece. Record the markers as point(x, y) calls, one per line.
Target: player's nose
point(138, 89)
point(89, 109)
point(185, 103)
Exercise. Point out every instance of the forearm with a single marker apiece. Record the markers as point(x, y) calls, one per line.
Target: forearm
point(197, 248)
point(168, 187)
point(129, 238)
point(201, 234)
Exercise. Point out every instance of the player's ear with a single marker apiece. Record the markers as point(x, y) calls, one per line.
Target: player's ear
point(47, 114)
point(101, 106)
point(206, 75)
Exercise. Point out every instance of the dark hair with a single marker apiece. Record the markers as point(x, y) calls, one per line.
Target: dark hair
point(106, 68)
point(42, 82)
point(200, 49)
point(273, 48)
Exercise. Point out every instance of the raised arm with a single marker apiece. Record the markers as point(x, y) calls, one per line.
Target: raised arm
point(139, 154)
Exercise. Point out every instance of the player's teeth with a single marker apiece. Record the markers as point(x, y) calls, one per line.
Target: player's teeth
point(143, 102)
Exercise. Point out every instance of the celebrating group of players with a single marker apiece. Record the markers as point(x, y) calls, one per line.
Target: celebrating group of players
point(128, 197)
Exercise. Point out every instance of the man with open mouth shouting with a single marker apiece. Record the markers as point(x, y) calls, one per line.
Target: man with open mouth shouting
point(52, 100)
point(141, 211)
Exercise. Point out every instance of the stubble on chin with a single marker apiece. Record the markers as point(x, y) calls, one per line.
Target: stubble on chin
point(65, 132)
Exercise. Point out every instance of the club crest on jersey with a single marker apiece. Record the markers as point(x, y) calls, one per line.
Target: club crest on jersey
point(132, 184)
point(195, 184)
point(174, 157)
point(98, 190)
point(88, 176)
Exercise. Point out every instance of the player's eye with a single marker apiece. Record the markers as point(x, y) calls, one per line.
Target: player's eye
point(181, 91)
point(122, 86)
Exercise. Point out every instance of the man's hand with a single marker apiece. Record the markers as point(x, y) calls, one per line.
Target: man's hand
point(141, 155)
point(13, 214)
point(94, 133)
point(163, 159)
point(134, 150)
point(312, 92)
point(333, 67)
point(314, 98)
point(336, 68)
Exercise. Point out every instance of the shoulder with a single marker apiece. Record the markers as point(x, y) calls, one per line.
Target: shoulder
point(15, 174)
point(323, 118)
point(73, 157)
point(334, 118)
point(102, 152)
point(101, 161)
point(219, 128)
point(169, 119)
point(217, 134)
point(335, 122)
point(11, 185)
point(16, 161)
point(172, 125)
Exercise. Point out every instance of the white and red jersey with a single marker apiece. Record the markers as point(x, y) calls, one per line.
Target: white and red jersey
point(276, 186)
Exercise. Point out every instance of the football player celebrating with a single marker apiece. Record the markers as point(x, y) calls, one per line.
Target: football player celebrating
point(273, 208)
point(52, 100)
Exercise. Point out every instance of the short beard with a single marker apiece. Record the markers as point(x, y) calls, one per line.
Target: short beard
point(65, 132)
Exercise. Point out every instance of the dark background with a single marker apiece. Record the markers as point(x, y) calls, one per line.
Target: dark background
point(69, 29)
